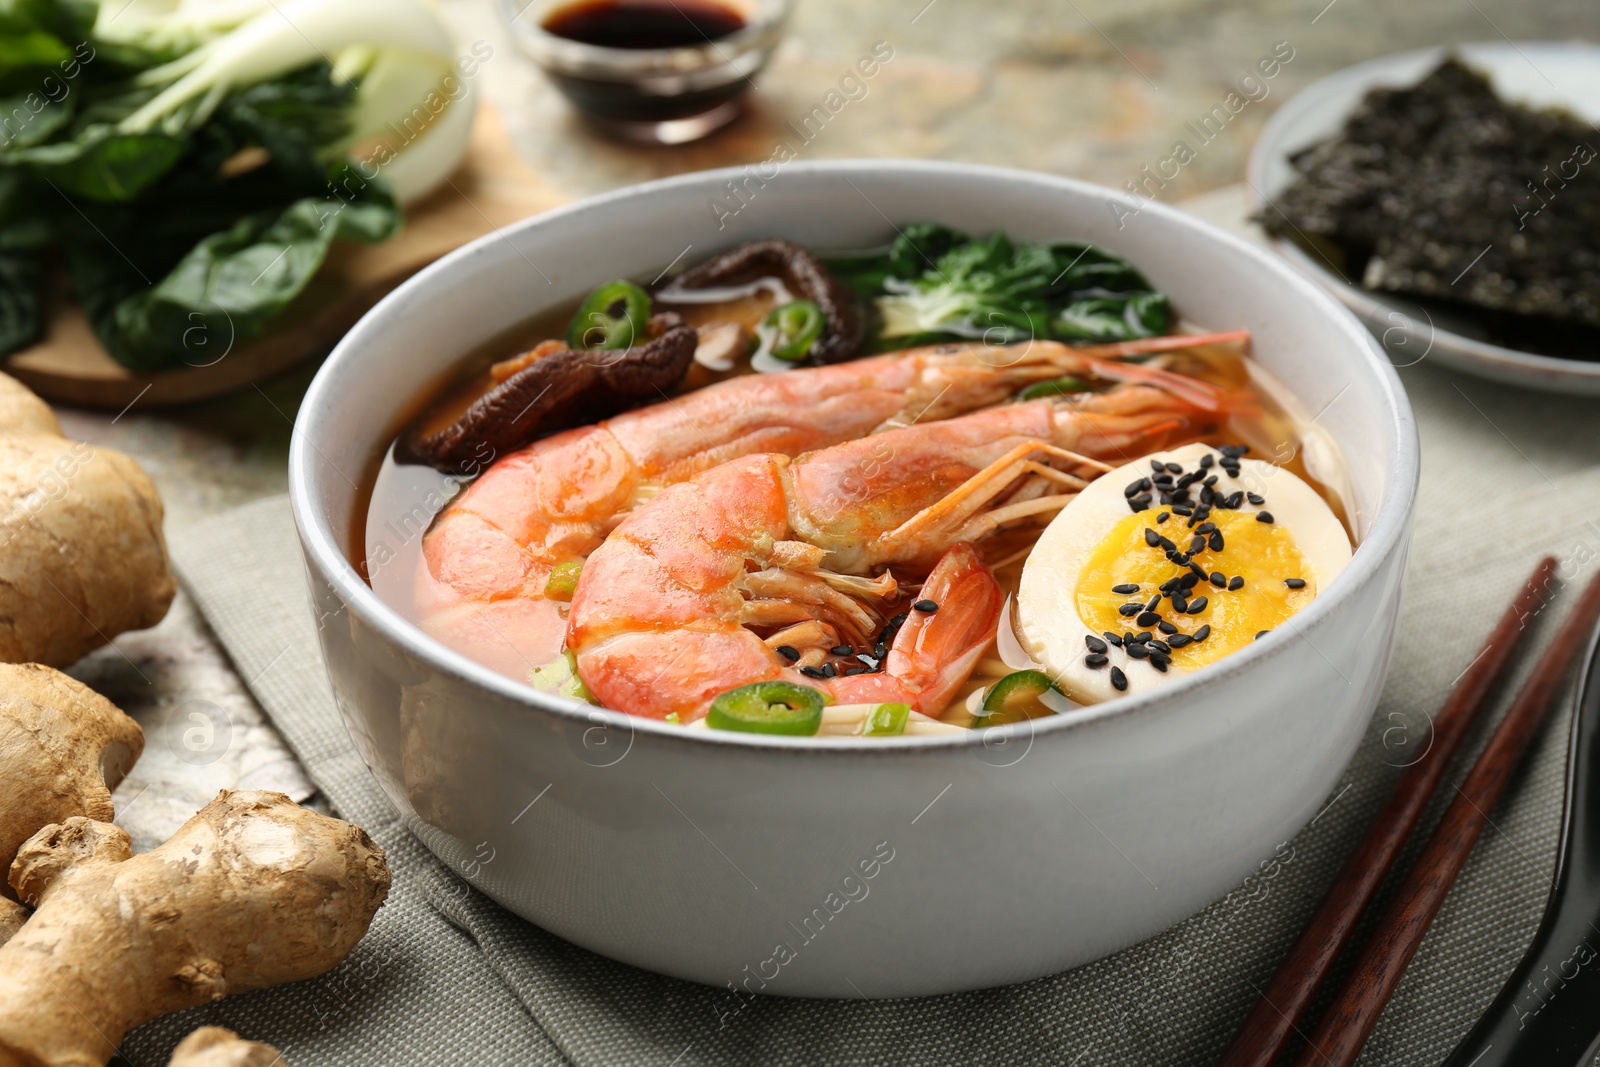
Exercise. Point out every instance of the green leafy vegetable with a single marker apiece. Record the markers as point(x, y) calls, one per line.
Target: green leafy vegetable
point(189, 167)
point(935, 283)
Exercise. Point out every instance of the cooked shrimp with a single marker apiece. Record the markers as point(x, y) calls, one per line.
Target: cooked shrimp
point(554, 501)
point(670, 610)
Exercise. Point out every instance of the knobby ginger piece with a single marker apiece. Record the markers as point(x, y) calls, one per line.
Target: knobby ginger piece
point(254, 891)
point(63, 749)
point(215, 1046)
point(82, 556)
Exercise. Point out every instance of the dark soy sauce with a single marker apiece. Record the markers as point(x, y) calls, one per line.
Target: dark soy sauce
point(644, 23)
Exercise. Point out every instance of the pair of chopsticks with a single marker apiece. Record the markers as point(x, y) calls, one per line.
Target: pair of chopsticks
point(1349, 1021)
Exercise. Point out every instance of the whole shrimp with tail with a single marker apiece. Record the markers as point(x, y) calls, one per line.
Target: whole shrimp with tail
point(695, 592)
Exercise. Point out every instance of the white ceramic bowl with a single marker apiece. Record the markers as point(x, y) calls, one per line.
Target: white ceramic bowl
point(994, 856)
point(1537, 73)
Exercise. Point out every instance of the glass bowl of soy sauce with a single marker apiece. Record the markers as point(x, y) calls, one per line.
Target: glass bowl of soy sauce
point(655, 71)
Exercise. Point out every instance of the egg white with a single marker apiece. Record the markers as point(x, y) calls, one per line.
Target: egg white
point(1048, 624)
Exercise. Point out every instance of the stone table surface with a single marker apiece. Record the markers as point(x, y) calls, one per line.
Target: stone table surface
point(1095, 89)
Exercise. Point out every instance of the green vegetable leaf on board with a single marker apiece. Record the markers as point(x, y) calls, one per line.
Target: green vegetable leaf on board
point(227, 288)
point(20, 317)
point(935, 283)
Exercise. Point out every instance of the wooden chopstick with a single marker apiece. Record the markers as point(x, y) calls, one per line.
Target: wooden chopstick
point(1267, 1029)
point(1349, 1021)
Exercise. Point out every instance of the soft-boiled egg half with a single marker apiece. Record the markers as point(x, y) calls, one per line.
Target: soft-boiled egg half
point(1170, 563)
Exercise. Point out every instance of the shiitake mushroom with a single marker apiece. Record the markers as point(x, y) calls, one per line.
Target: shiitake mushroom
point(804, 275)
point(554, 388)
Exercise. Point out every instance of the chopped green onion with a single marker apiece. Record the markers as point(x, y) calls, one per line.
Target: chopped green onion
point(1021, 695)
point(613, 316)
point(1058, 387)
point(768, 708)
point(792, 329)
point(886, 720)
point(563, 580)
point(560, 676)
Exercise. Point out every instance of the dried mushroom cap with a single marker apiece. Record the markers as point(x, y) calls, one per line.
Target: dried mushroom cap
point(804, 274)
point(565, 388)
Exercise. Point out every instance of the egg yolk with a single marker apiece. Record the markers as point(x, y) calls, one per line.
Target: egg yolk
point(1263, 554)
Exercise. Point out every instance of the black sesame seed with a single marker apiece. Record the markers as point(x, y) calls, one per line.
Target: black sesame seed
point(1197, 546)
point(1262, 633)
point(1216, 541)
point(829, 670)
point(850, 671)
point(1179, 603)
point(1135, 488)
point(1219, 580)
point(1235, 583)
point(1166, 627)
point(1125, 588)
point(1159, 662)
point(1189, 581)
point(1187, 480)
point(1255, 498)
point(1206, 528)
point(1149, 618)
point(1208, 495)
point(927, 607)
point(1169, 585)
point(1180, 558)
point(1234, 501)
point(1166, 498)
point(1263, 516)
point(813, 672)
point(1160, 646)
point(1112, 638)
point(1295, 583)
point(1182, 509)
point(1197, 605)
point(1138, 652)
point(1233, 451)
point(1164, 516)
point(842, 650)
point(1179, 640)
point(1119, 681)
point(1174, 468)
point(1198, 571)
point(1096, 660)
point(1139, 503)
point(1138, 639)
point(1128, 611)
point(1210, 481)
point(1151, 538)
point(1206, 461)
point(1203, 633)
point(1155, 602)
point(1157, 466)
point(880, 650)
point(788, 652)
point(1093, 643)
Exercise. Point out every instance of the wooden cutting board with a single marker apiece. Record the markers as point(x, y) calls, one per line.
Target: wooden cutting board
point(492, 188)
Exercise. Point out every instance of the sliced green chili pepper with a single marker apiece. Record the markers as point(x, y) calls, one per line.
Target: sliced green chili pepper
point(1021, 695)
point(613, 316)
point(887, 720)
point(1059, 387)
point(768, 708)
point(563, 580)
point(792, 329)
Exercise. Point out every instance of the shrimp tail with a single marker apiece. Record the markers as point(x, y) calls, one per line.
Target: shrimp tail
point(1201, 395)
point(935, 652)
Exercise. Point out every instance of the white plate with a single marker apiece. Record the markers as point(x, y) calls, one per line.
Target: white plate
point(1540, 74)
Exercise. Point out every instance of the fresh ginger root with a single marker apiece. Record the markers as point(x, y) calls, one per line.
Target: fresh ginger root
point(82, 557)
point(63, 749)
point(254, 891)
point(214, 1046)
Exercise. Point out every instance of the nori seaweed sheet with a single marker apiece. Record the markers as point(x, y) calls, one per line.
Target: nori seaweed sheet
point(1423, 180)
